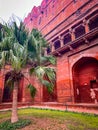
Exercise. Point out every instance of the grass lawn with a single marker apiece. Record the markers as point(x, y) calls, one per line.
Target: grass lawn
point(54, 120)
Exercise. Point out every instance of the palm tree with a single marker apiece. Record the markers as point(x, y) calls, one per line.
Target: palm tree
point(39, 69)
point(14, 53)
point(18, 48)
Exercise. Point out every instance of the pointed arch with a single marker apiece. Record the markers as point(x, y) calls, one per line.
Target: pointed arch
point(85, 80)
point(7, 92)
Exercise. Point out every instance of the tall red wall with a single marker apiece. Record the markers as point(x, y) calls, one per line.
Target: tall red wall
point(51, 13)
point(54, 18)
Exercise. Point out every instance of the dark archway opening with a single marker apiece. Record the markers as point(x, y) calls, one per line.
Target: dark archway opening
point(93, 23)
point(49, 97)
point(79, 31)
point(67, 38)
point(57, 44)
point(7, 92)
point(85, 80)
point(48, 49)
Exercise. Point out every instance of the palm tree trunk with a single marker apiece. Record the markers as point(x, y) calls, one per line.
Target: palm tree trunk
point(14, 117)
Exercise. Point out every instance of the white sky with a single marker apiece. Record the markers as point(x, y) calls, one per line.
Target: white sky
point(18, 7)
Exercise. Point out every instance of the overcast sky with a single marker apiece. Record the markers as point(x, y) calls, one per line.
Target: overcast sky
point(18, 7)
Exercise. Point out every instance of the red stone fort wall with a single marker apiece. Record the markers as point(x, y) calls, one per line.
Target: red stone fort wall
point(71, 28)
point(68, 26)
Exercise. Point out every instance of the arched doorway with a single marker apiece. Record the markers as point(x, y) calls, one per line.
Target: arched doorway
point(49, 97)
point(85, 80)
point(7, 92)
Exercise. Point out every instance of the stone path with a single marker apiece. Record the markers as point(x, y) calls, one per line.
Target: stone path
point(61, 108)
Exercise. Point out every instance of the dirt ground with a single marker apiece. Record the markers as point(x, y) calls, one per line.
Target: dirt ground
point(46, 124)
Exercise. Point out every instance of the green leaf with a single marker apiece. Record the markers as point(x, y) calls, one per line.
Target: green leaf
point(51, 59)
point(32, 89)
point(32, 70)
point(49, 85)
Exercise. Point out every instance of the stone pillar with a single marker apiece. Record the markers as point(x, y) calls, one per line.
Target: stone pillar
point(45, 52)
point(2, 80)
point(52, 47)
point(72, 32)
point(85, 23)
point(61, 41)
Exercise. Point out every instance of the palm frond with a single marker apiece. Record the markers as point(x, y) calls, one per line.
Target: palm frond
point(39, 72)
point(50, 73)
point(49, 85)
point(3, 58)
point(15, 62)
point(32, 89)
point(20, 32)
point(51, 59)
point(32, 71)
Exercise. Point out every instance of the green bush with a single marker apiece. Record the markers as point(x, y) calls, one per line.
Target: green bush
point(7, 125)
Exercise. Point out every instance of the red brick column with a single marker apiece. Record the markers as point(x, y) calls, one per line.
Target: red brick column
point(61, 41)
point(72, 32)
point(2, 79)
point(52, 47)
point(45, 52)
point(85, 23)
point(63, 80)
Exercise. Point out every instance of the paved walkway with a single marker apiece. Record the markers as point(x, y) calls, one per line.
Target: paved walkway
point(61, 108)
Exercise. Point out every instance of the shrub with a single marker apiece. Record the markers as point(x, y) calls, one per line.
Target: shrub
point(7, 125)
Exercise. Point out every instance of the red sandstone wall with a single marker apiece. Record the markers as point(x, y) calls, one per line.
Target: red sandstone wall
point(49, 18)
point(26, 97)
point(50, 14)
point(65, 88)
point(88, 53)
point(24, 93)
point(1, 85)
point(63, 80)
